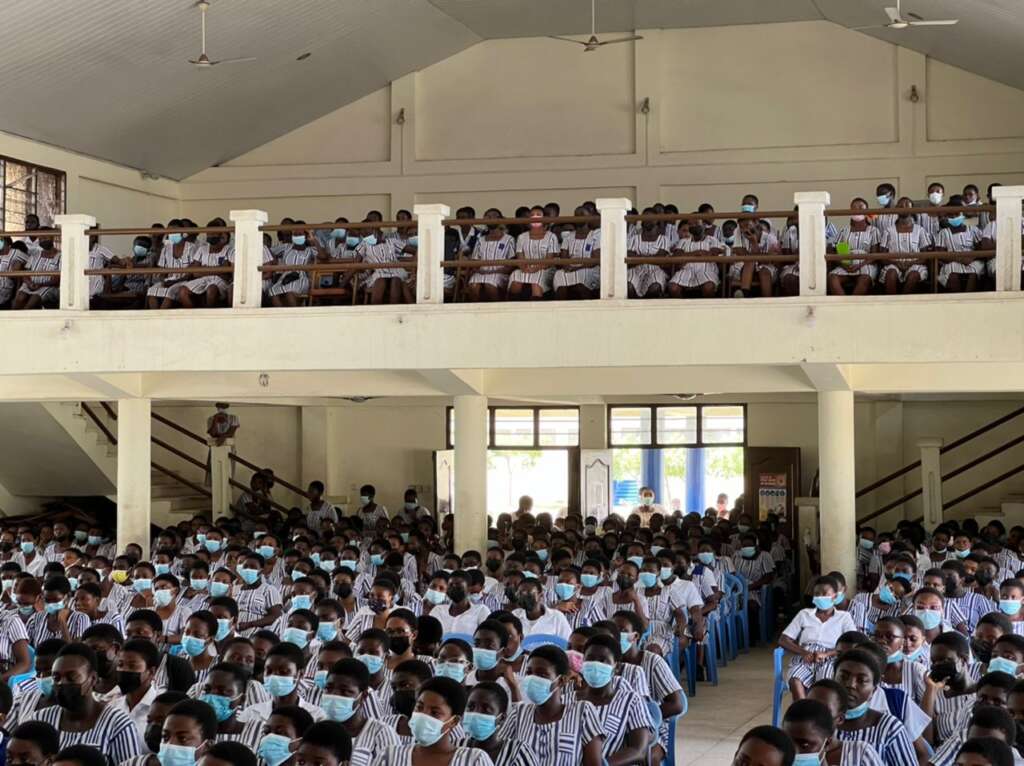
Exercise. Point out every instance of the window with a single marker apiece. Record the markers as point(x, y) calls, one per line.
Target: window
point(527, 427)
point(512, 428)
point(695, 425)
point(30, 189)
point(559, 428)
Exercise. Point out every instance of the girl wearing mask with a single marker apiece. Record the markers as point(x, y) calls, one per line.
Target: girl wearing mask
point(899, 672)
point(854, 277)
point(344, 701)
point(287, 287)
point(177, 253)
point(384, 285)
point(490, 283)
point(259, 602)
point(647, 280)
point(811, 724)
point(696, 278)
point(486, 708)
point(538, 243)
point(218, 251)
point(904, 236)
point(535, 617)
point(949, 690)
point(957, 236)
point(754, 239)
point(580, 282)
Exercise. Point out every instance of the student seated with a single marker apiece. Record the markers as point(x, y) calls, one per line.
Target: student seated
point(41, 291)
point(904, 236)
point(812, 724)
point(696, 278)
point(539, 243)
point(300, 249)
point(765, 746)
point(13, 257)
point(213, 289)
point(853, 276)
point(178, 252)
point(583, 241)
point(753, 240)
point(647, 280)
point(956, 235)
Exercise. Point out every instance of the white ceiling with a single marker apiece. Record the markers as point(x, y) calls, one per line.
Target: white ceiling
point(109, 78)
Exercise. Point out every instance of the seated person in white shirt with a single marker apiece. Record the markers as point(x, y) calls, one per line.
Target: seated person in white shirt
point(136, 666)
point(537, 619)
point(284, 666)
point(460, 615)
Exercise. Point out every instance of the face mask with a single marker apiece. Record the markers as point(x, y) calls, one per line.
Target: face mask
point(435, 597)
point(565, 590)
point(193, 646)
point(218, 589)
point(175, 239)
point(485, 659)
point(748, 208)
point(266, 551)
point(296, 636)
point(1002, 665)
point(840, 597)
point(453, 670)
point(884, 199)
point(527, 602)
point(303, 601)
point(26, 610)
point(249, 576)
point(706, 558)
point(983, 577)
point(824, 603)
point(625, 642)
point(403, 701)
point(807, 759)
point(648, 579)
point(590, 580)
point(274, 749)
point(426, 730)
point(935, 197)
point(54, 607)
point(537, 690)
point(414, 240)
point(981, 650)
point(625, 582)
point(493, 565)
point(638, 560)
point(223, 628)
point(376, 605)
point(912, 656)
point(279, 686)
point(370, 240)
point(885, 547)
point(327, 631)
point(963, 554)
point(457, 594)
point(856, 712)
point(7, 584)
point(479, 726)
point(198, 583)
point(119, 576)
point(28, 548)
point(221, 705)
point(141, 252)
point(929, 618)
point(163, 597)
point(666, 574)
point(957, 220)
point(372, 662)
point(377, 559)
point(299, 240)
point(542, 554)
point(597, 674)
point(867, 544)
point(353, 242)
point(338, 233)
point(338, 708)
point(895, 657)
point(141, 586)
point(515, 655)
point(200, 537)
point(70, 697)
point(1009, 605)
point(529, 575)
point(646, 499)
point(176, 755)
point(748, 551)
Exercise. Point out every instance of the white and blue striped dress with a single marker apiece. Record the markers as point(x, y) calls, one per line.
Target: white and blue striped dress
point(696, 274)
point(223, 257)
point(790, 241)
point(959, 242)
point(860, 242)
point(890, 739)
point(559, 743)
point(859, 754)
point(914, 241)
point(574, 246)
point(290, 255)
point(767, 244)
point(646, 275)
point(383, 251)
point(530, 249)
point(254, 603)
point(162, 285)
point(114, 734)
point(754, 569)
point(8, 262)
point(401, 755)
point(39, 630)
point(625, 712)
point(250, 735)
point(487, 249)
point(100, 257)
point(371, 742)
point(46, 287)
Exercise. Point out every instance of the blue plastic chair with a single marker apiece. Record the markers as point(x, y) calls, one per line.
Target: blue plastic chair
point(778, 685)
point(741, 618)
point(654, 711)
point(467, 637)
point(544, 639)
point(690, 658)
point(711, 651)
point(30, 673)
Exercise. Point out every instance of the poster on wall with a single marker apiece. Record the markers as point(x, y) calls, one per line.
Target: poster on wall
point(772, 493)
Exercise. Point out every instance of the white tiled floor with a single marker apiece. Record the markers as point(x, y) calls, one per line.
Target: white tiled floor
point(719, 715)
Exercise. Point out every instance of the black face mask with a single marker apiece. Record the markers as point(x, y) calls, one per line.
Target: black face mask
point(982, 650)
point(457, 594)
point(944, 671)
point(103, 665)
point(46, 244)
point(257, 667)
point(983, 577)
point(527, 601)
point(951, 587)
point(493, 565)
point(399, 644)
point(129, 681)
point(70, 697)
point(376, 605)
point(153, 737)
point(344, 590)
point(403, 701)
point(625, 582)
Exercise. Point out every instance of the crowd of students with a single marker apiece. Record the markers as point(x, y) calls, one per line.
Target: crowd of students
point(329, 639)
point(909, 229)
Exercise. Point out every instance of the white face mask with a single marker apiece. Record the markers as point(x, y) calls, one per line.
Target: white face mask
point(935, 198)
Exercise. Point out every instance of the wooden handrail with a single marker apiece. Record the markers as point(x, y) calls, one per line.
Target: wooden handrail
point(981, 459)
point(889, 506)
point(673, 260)
point(982, 487)
point(190, 484)
point(109, 410)
point(27, 273)
point(151, 270)
point(255, 468)
point(929, 255)
point(983, 430)
point(354, 225)
point(329, 267)
point(273, 503)
point(940, 210)
point(175, 451)
point(886, 479)
point(180, 429)
point(99, 423)
point(546, 220)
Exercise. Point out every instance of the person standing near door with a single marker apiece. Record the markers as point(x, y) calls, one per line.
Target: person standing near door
point(647, 507)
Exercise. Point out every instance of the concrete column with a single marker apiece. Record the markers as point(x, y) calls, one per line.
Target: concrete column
point(313, 422)
point(220, 477)
point(1008, 232)
point(134, 494)
point(247, 291)
point(593, 426)
point(613, 247)
point(811, 220)
point(838, 507)
point(74, 259)
point(471, 432)
point(931, 481)
point(430, 252)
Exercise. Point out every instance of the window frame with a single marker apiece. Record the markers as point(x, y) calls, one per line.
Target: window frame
point(654, 442)
point(449, 437)
point(35, 168)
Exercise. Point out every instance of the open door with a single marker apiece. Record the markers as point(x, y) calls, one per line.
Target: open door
point(596, 483)
point(772, 483)
point(444, 483)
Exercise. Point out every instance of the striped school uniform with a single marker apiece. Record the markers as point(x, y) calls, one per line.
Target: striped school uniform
point(816, 636)
point(580, 247)
point(754, 569)
point(530, 249)
point(790, 242)
point(386, 251)
point(370, 518)
point(889, 738)
point(973, 606)
point(401, 755)
point(46, 287)
point(930, 223)
point(914, 241)
point(139, 285)
point(12, 630)
point(9, 261)
point(293, 256)
point(559, 743)
point(486, 249)
point(39, 630)
point(911, 680)
point(692, 275)
point(948, 711)
point(254, 603)
point(865, 613)
point(646, 275)
point(250, 735)
point(512, 753)
point(25, 707)
point(99, 258)
point(883, 222)
point(959, 242)
point(661, 612)
point(859, 754)
point(114, 734)
point(859, 242)
point(167, 285)
point(625, 712)
point(339, 252)
point(766, 244)
point(223, 257)
point(370, 743)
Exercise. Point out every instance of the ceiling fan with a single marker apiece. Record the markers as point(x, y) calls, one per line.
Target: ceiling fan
point(592, 44)
point(204, 61)
point(898, 21)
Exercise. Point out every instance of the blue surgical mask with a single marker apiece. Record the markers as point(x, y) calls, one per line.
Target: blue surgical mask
point(95, 540)
point(175, 239)
point(453, 670)
point(895, 657)
point(274, 749)
point(377, 559)
point(479, 726)
point(963, 554)
point(957, 220)
point(73, 581)
point(590, 580)
point(597, 674)
point(141, 252)
point(348, 564)
point(824, 603)
point(801, 759)
point(867, 544)
point(370, 240)
point(885, 594)
point(353, 241)
point(296, 636)
point(45, 686)
point(303, 601)
point(1002, 665)
point(542, 554)
point(485, 659)
point(748, 551)
point(141, 586)
point(930, 618)
point(648, 579)
point(320, 679)
point(840, 598)
point(28, 548)
point(411, 506)
point(218, 589)
point(176, 755)
point(729, 240)
point(221, 705)
point(315, 558)
point(279, 686)
point(223, 628)
point(199, 583)
point(338, 233)
point(884, 199)
point(52, 607)
point(212, 545)
point(748, 208)
point(856, 712)
point(912, 656)
point(638, 560)
point(565, 590)
point(266, 551)
point(625, 642)
point(193, 646)
point(373, 662)
point(426, 730)
point(666, 574)
point(528, 575)
point(163, 597)
point(328, 565)
point(905, 576)
point(338, 708)
point(299, 240)
point(414, 240)
point(706, 558)
point(1009, 605)
point(327, 631)
point(435, 597)
point(249, 576)
point(537, 690)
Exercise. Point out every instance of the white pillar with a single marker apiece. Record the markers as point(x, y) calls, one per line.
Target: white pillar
point(838, 507)
point(593, 426)
point(134, 494)
point(613, 247)
point(247, 292)
point(471, 432)
point(931, 481)
point(74, 259)
point(1008, 232)
point(314, 445)
point(220, 477)
point(430, 252)
point(811, 222)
